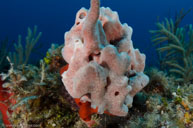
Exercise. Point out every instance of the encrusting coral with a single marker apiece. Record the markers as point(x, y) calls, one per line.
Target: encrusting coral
point(105, 71)
point(175, 44)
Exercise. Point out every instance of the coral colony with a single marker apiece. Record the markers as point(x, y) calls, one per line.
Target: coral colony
point(105, 71)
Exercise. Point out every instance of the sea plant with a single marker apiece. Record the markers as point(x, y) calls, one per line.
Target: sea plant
point(23, 51)
point(175, 46)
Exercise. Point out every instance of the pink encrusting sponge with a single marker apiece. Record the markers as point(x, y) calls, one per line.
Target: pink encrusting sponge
point(104, 68)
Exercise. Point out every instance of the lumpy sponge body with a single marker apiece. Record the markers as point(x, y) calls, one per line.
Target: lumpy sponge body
point(104, 67)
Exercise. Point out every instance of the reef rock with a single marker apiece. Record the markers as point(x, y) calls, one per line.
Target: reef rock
point(104, 68)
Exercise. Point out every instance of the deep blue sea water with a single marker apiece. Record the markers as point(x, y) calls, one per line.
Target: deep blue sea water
point(55, 17)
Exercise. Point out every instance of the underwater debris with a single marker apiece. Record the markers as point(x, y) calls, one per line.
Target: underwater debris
point(105, 71)
point(22, 54)
point(175, 45)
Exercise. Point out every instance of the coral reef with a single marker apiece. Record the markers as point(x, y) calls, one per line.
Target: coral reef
point(162, 111)
point(176, 47)
point(154, 109)
point(105, 71)
point(40, 97)
point(22, 54)
point(42, 101)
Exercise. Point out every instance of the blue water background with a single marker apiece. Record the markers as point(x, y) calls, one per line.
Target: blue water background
point(55, 17)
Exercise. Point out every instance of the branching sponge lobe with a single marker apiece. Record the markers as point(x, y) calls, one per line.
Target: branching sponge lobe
point(104, 68)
